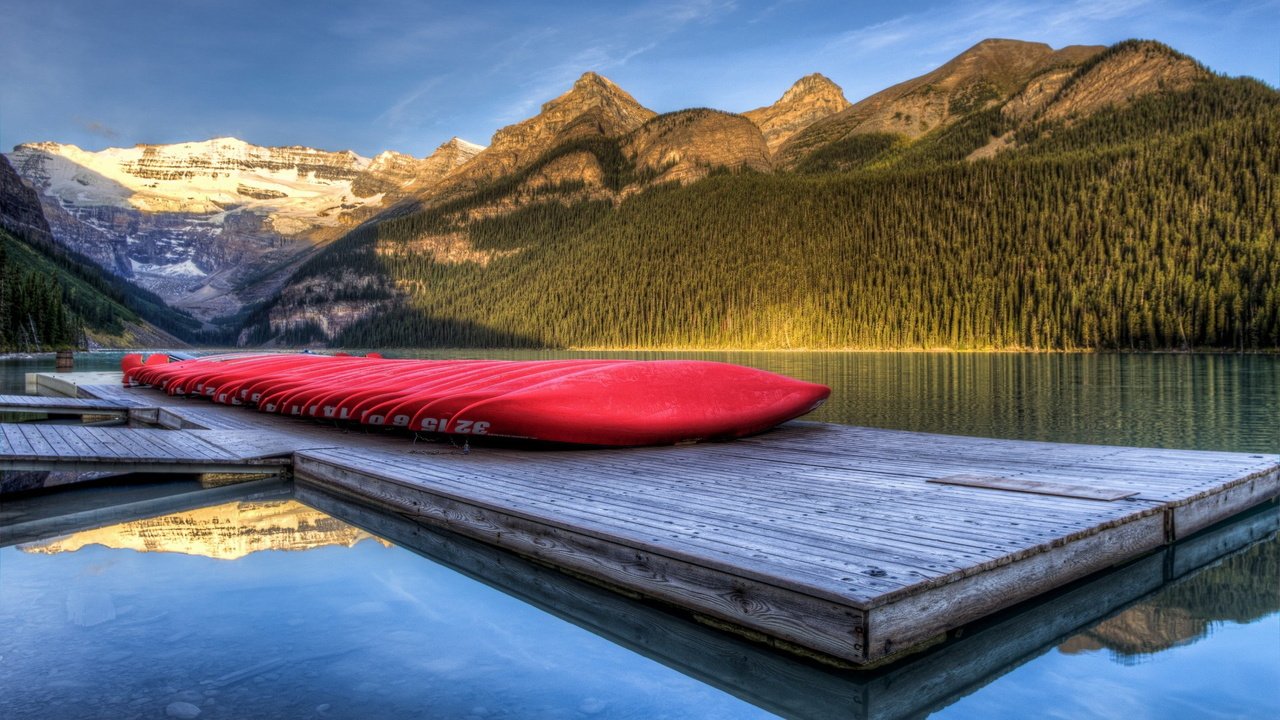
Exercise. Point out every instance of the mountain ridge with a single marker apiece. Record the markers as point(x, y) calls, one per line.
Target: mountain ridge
point(594, 154)
point(884, 234)
point(195, 221)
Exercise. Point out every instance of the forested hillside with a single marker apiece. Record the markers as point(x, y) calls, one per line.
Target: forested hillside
point(1145, 224)
point(33, 314)
point(52, 297)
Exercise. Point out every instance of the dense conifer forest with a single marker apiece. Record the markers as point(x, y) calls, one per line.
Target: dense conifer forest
point(51, 298)
point(1148, 227)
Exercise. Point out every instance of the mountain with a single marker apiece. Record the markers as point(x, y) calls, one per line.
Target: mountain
point(982, 76)
point(1015, 197)
point(685, 146)
point(399, 175)
point(206, 224)
point(593, 108)
point(1238, 589)
point(20, 212)
point(811, 98)
point(52, 297)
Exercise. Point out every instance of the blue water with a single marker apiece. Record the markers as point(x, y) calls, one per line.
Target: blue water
point(268, 608)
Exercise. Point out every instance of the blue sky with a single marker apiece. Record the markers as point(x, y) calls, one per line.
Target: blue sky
point(407, 75)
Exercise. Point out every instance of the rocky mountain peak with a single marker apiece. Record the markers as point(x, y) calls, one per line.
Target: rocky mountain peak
point(591, 92)
point(813, 87)
point(593, 107)
point(20, 211)
point(988, 73)
point(808, 100)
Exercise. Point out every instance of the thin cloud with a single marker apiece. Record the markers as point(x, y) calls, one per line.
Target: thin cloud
point(102, 130)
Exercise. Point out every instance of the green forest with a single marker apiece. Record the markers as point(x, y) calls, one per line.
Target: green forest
point(1148, 227)
point(52, 298)
point(34, 310)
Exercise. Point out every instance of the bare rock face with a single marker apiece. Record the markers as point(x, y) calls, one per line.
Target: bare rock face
point(319, 303)
point(571, 167)
point(1131, 71)
point(1074, 88)
point(195, 222)
point(985, 74)
point(20, 211)
point(685, 146)
point(811, 98)
point(593, 107)
point(398, 174)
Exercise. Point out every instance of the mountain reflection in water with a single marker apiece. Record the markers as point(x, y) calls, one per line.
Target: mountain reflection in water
point(224, 532)
point(1242, 588)
point(198, 615)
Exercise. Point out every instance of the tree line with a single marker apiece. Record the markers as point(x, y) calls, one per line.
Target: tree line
point(1148, 227)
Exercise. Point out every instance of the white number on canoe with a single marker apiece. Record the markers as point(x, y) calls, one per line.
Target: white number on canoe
point(462, 427)
point(471, 427)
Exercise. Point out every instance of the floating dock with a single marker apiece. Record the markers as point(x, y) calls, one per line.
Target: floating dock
point(851, 544)
point(780, 683)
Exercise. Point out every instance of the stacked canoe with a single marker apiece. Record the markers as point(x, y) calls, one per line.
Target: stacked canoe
point(588, 402)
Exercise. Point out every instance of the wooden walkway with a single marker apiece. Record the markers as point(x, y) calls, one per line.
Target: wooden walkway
point(34, 446)
point(65, 405)
point(852, 543)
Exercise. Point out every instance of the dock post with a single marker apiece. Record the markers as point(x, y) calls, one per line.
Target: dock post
point(66, 361)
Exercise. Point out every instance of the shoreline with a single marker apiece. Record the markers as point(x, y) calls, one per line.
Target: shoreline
point(675, 350)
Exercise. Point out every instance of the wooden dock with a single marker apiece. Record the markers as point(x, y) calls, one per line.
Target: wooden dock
point(34, 446)
point(852, 544)
point(64, 405)
point(792, 687)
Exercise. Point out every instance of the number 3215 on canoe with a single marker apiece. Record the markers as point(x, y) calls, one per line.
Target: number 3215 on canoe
point(463, 427)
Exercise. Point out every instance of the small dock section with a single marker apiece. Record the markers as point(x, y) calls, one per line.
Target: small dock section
point(77, 448)
point(65, 405)
point(853, 544)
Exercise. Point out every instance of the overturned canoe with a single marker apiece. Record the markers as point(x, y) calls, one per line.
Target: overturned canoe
point(583, 402)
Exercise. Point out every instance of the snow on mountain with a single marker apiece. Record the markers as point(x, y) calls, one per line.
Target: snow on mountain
point(196, 221)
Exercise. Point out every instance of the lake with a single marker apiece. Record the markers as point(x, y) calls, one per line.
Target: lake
point(251, 602)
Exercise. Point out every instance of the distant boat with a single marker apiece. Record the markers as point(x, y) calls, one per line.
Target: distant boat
point(616, 403)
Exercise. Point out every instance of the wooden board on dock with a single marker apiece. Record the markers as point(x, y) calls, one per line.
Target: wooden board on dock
point(36, 446)
point(65, 405)
point(832, 539)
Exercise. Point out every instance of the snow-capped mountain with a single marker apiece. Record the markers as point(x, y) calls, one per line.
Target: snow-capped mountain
point(203, 223)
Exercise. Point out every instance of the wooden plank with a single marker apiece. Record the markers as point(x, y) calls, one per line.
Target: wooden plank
point(16, 442)
point(1037, 487)
point(816, 623)
point(908, 619)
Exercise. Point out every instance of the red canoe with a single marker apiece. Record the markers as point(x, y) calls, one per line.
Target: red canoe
point(582, 402)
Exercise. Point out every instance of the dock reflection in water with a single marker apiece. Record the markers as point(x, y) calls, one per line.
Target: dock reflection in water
point(132, 612)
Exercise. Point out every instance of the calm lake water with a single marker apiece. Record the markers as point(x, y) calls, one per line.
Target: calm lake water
point(249, 602)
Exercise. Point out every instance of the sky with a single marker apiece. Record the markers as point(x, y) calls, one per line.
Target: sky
point(407, 75)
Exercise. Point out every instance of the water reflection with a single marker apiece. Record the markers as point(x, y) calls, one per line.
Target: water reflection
point(225, 532)
point(1242, 588)
point(307, 621)
point(270, 607)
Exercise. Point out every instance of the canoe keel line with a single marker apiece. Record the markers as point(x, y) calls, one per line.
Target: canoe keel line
point(616, 403)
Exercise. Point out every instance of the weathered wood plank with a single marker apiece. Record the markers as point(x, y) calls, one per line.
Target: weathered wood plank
point(1038, 487)
point(816, 623)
